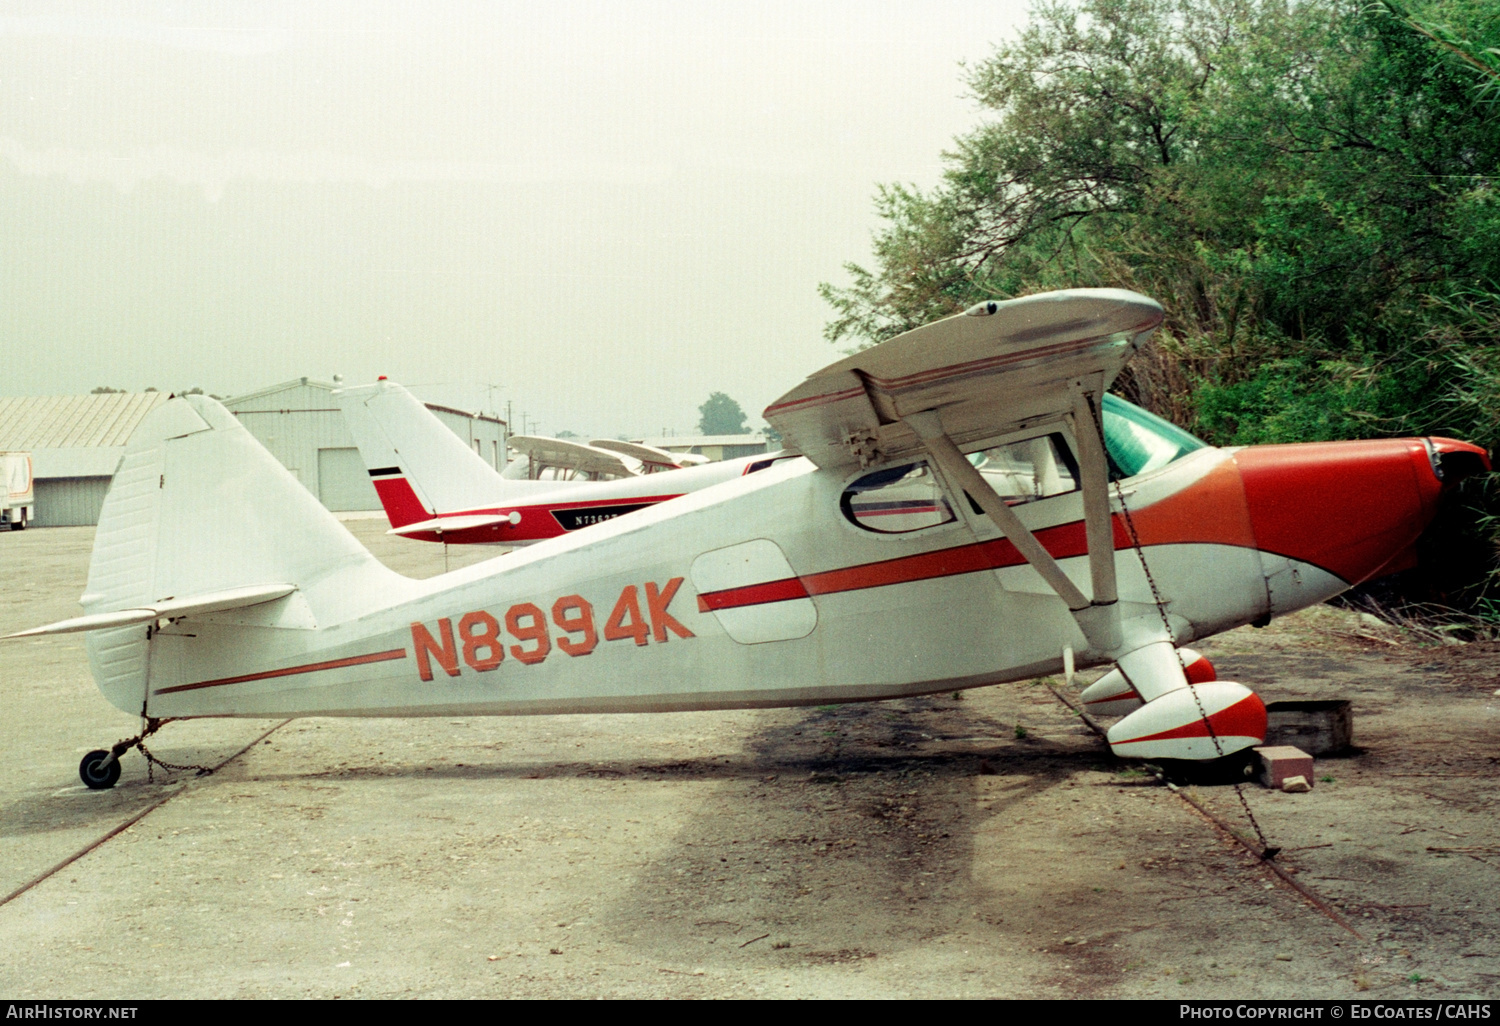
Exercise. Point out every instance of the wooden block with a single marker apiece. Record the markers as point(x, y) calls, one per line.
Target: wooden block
point(1319, 728)
point(1280, 762)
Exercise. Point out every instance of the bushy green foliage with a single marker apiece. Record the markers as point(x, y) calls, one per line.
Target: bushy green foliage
point(1309, 189)
point(721, 415)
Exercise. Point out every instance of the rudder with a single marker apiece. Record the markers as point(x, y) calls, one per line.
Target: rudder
point(199, 507)
point(420, 469)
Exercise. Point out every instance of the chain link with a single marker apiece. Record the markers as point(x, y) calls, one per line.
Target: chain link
point(1267, 849)
point(170, 767)
point(151, 726)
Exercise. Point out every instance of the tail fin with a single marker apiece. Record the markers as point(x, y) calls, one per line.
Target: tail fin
point(199, 509)
point(419, 468)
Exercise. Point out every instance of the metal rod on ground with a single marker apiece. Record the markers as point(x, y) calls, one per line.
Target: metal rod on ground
point(1311, 898)
point(132, 821)
point(1291, 881)
point(1088, 720)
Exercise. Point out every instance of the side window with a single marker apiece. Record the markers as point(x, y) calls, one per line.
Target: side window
point(897, 500)
point(1033, 469)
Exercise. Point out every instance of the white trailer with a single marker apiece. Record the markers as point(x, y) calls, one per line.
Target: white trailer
point(18, 505)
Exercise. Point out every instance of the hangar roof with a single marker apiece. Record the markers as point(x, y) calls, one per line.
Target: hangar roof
point(73, 435)
point(33, 422)
point(265, 400)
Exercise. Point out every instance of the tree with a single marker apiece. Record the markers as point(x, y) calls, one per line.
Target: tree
point(721, 415)
point(1309, 187)
point(1301, 185)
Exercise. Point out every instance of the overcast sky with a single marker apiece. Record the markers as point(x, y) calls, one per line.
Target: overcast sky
point(605, 210)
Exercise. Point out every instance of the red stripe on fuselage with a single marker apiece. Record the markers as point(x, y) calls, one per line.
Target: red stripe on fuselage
point(753, 595)
point(331, 664)
point(1062, 541)
point(1209, 511)
point(537, 522)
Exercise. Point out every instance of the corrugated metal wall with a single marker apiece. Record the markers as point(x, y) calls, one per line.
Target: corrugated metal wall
point(298, 422)
point(344, 481)
point(302, 421)
point(303, 427)
point(487, 433)
point(69, 501)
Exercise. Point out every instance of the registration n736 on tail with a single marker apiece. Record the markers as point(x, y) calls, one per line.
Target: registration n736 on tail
point(971, 507)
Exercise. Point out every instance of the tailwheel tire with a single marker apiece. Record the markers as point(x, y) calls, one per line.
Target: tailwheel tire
point(95, 777)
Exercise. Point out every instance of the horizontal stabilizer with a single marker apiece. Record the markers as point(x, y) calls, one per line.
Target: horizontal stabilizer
point(458, 523)
point(214, 602)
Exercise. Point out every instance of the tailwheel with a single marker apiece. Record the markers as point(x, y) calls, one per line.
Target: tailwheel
point(100, 769)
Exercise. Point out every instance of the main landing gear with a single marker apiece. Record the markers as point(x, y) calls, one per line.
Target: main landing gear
point(1174, 708)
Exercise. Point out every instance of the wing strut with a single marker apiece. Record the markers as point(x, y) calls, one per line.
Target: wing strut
point(1094, 467)
point(1099, 621)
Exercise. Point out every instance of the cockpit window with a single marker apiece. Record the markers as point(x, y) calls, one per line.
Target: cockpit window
point(897, 500)
point(1031, 469)
point(1138, 441)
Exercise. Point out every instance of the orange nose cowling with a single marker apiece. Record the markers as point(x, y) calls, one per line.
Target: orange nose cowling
point(1347, 507)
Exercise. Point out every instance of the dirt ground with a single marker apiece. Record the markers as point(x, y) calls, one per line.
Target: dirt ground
point(974, 845)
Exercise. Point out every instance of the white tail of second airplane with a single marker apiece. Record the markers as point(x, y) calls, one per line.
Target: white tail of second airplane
point(420, 469)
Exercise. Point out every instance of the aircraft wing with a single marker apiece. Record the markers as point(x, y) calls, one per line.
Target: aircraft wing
point(559, 452)
point(648, 454)
point(990, 370)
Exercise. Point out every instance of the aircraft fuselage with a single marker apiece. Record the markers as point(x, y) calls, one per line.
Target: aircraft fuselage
point(764, 591)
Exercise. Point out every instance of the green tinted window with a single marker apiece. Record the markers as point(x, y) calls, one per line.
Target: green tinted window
point(1139, 441)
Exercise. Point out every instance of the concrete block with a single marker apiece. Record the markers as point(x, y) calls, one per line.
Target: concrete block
point(1278, 763)
point(1319, 728)
point(1296, 785)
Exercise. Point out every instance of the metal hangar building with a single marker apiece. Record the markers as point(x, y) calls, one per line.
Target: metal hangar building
point(76, 442)
point(303, 427)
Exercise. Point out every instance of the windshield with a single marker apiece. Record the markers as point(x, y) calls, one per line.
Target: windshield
point(1138, 441)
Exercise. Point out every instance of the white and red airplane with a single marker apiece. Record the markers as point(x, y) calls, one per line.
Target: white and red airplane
point(434, 488)
point(883, 564)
